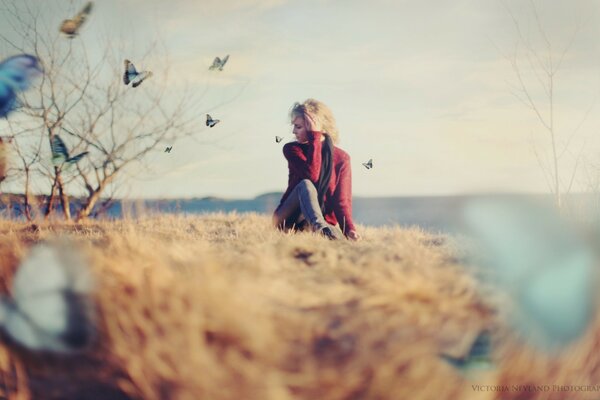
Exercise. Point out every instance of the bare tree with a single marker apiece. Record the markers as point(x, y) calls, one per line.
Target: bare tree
point(81, 97)
point(537, 68)
point(28, 158)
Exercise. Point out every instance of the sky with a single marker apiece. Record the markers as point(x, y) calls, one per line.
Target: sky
point(424, 89)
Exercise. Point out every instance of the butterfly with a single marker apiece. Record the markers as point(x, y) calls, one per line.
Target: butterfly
point(168, 149)
point(51, 308)
point(278, 139)
point(211, 122)
point(478, 357)
point(132, 75)
point(70, 26)
point(16, 75)
point(218, 63)
point(541, 261)
point(60, 154)
point(368, 164)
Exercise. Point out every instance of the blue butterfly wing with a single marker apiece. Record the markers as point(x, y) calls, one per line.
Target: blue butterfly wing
point(130, 72)
point(76, 158)
point(19, 71)
point(59, 150)
point(8, 99)
point(50, 306)
point(530, 252)
point(141, 77)
point(21, 61)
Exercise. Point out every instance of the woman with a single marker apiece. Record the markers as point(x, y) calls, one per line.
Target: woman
point(319, 192)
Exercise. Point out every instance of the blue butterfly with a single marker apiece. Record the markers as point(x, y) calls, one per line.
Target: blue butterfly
point(50, 308)
point(16, 75)
point(543, 262)
point(211, 122)
point(218, 63)
point(60, 154)
point(132, 75)
point(478, 358)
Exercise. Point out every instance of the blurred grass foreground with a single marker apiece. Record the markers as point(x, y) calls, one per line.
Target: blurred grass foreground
point(222, 306)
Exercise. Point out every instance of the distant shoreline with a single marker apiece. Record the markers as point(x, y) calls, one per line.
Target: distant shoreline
point(436, 213)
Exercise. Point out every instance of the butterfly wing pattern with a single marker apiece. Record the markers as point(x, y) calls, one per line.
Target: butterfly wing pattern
point(70, 27)
point(131, 75)
point(16, 75)
point(210, 122)
point(51, 308)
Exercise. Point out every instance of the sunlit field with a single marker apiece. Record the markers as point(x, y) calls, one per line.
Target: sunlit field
point(222, 306)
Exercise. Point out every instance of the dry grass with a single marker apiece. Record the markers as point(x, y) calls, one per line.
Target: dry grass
point(224, 307)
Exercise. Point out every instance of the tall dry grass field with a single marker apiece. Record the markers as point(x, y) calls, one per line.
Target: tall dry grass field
point(225, 307)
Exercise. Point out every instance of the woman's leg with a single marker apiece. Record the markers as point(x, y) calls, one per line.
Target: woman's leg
point(304, 197)
point(288, 214)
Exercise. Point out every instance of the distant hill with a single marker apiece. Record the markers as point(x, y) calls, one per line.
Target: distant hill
point(270, 195)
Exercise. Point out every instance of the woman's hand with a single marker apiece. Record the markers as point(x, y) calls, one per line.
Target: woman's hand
point(353, 235)
point(310, 123)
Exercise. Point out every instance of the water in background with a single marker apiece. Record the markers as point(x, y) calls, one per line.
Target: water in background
point(439, 213)
point(433, 213)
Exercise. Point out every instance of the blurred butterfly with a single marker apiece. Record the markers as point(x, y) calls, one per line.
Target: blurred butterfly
point(70, 27)
point(168, 149)
point(60, 154)
point(278, 139)
point(218, 63)
point(477, 359)
point(16, 75)
point(544, 264)
point(50, 308)
point(132, 75)
point(368, 164)
point(211, 122)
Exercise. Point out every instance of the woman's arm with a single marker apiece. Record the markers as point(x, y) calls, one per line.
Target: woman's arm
point(305, 166)
point(343, 200)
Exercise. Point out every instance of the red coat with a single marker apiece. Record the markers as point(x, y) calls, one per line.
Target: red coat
point(304, 162)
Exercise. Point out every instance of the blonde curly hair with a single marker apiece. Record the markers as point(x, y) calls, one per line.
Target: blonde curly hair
point(321, 114)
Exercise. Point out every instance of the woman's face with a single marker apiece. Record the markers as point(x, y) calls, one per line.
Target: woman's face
point(299, 129)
